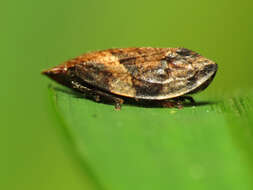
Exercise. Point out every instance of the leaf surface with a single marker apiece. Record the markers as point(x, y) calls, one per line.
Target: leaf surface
point(207, 146)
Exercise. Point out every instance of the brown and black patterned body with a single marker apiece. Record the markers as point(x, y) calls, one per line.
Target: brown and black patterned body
point(141, 73)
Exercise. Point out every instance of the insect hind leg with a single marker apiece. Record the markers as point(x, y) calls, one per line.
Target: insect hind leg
point(97, 94)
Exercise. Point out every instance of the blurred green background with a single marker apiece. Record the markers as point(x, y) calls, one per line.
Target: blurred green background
point(36, 35)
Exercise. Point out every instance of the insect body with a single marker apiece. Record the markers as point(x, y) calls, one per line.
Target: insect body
point(139, 73)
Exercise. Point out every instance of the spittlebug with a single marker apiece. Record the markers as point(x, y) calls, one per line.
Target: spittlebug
point(144, 73)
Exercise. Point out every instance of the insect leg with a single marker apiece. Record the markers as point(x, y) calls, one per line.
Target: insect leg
point(188, 98)
point(170, 104)
point(183, 98)
point(96, 94)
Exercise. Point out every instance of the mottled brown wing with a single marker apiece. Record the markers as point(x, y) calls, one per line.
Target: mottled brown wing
point(107, 73)
point(146, 73)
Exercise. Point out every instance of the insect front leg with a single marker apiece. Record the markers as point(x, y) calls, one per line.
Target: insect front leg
point(97, 94)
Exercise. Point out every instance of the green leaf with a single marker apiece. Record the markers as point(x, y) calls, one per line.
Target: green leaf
point(199, 147)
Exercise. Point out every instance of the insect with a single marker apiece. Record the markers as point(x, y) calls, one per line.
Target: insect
point(145, 73)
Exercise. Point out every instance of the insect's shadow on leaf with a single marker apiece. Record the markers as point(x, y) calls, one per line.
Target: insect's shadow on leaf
point(159, 104)
point(131, 101)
